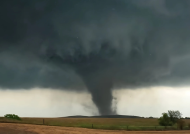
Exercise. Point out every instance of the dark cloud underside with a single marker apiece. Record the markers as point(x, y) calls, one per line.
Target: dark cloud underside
point(93, 44)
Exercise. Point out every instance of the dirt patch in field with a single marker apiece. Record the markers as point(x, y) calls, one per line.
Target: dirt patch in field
point(9, 128)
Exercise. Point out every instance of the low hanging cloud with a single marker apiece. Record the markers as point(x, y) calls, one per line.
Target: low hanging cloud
point(94, 45)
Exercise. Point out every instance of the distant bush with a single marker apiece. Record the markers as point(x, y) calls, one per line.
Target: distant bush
point(165, 120)
point(12, 116)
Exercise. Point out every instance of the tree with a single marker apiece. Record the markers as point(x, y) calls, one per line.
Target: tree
point(171, 118)
point(174, 116)
point(165, 120)
point(12, 116)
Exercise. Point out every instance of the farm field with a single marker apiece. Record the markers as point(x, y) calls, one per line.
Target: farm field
point(11, 128)
point(97, 123)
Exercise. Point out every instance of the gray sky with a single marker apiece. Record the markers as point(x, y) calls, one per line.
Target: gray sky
point(95, 47)
point(56, 103)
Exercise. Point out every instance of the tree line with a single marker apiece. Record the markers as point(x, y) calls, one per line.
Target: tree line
point(171, 118)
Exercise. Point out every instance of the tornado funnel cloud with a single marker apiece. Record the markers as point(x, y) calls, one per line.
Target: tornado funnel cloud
point(101, 92)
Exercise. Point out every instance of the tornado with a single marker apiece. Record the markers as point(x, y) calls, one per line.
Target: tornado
point(101, 91)
point(92, 69)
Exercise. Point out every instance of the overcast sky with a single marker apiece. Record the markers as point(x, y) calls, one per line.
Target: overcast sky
point(56, 103)
point(94, 47)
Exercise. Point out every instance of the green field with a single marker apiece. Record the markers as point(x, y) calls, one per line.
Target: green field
point(98, 123)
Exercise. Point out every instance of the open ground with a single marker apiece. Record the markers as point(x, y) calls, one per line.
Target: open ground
point(86, 125)
point(10, 128)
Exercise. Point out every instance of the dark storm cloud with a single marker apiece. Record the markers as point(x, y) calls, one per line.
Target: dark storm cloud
point(95, 44)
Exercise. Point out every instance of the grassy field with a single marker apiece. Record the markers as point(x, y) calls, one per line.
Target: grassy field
point(98, 123)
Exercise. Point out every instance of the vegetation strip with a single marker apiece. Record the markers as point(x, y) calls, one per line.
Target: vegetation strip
point(168, 121)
